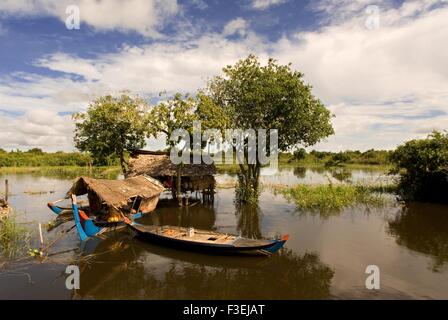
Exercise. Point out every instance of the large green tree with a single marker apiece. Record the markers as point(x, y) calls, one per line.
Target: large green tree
point(273, 96)
point(111, 126)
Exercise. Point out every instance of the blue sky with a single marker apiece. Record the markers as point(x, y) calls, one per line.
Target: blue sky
point(380, 66)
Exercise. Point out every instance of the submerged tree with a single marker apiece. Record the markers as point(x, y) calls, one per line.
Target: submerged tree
point(111, 127)
point(253, 96)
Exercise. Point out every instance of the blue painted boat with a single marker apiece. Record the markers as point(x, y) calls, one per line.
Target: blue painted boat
point(88, 227)
point(60, 210)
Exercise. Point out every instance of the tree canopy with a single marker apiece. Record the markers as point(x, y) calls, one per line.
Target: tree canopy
point(271, 97)
point(111, 126)
point(170, 114)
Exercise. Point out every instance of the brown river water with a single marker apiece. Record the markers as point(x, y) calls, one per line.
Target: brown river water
point(325, 258)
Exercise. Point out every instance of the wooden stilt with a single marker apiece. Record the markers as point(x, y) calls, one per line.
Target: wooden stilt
point(179, 191)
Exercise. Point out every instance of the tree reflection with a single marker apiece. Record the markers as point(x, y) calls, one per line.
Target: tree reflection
point(200, 216)
point(423, 228)
point(137, 270)
point(299, 172)
point(248, 220)
point(341, 174)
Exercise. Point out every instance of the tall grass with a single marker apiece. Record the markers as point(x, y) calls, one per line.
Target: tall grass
point(333, 198)
point(14, 238)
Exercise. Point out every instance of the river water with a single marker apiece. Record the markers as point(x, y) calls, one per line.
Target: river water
point(325, 258)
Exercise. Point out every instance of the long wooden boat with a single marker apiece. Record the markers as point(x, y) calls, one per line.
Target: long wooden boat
point(209, 241)
point(183, 238)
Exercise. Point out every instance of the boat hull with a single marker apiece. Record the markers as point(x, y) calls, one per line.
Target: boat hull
point(253, 247)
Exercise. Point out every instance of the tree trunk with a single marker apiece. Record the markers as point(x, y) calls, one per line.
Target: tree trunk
point(123, 164)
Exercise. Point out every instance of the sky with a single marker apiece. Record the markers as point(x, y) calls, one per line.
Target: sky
point(381, 66)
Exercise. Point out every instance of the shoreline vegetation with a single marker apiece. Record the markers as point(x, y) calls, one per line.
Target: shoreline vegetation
point(37, 158)
point(35, 161)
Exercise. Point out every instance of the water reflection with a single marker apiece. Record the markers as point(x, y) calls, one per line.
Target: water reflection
point(300, 172)
point(341, 174)
point(423, 227)
point(120, 267)
point(199, 216)
point(248, 220)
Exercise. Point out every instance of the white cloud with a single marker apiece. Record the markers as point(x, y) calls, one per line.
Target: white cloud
point(384, 86)
point(236, 26)
point(265, 4)
point(39, 128)
point(142, 16)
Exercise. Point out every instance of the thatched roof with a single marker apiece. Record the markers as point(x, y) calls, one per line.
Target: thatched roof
point(118, 192)
point(158, 164)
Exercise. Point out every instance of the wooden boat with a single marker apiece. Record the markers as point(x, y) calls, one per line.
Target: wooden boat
point(209, 241)
point(184, 238)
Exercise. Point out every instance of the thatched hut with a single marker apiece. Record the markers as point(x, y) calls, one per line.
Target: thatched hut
point(177, 178)
point(111, 197)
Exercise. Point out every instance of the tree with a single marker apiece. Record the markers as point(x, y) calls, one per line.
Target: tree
point(299, 154)
point(35, 151)
point(337, 159)
point(111, 127)
point(171, 114)
point(423, 168)
point(252, 96)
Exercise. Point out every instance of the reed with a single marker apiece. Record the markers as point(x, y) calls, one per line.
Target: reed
point(333, 198)
point(14, 238)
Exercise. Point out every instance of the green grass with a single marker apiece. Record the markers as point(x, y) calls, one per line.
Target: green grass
point(14, 239)
point(70, 172)
point(334, 198)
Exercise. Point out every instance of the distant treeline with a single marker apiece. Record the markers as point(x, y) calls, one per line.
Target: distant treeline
point(369, 157)
point(38, 158)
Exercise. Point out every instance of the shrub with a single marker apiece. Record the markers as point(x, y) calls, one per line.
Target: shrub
point(423, 168)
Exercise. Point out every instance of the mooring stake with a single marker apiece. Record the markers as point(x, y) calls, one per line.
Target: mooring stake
point(41, 238)
point(6, 191)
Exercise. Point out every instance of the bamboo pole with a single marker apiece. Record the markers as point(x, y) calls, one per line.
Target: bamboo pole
point(6, 190)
